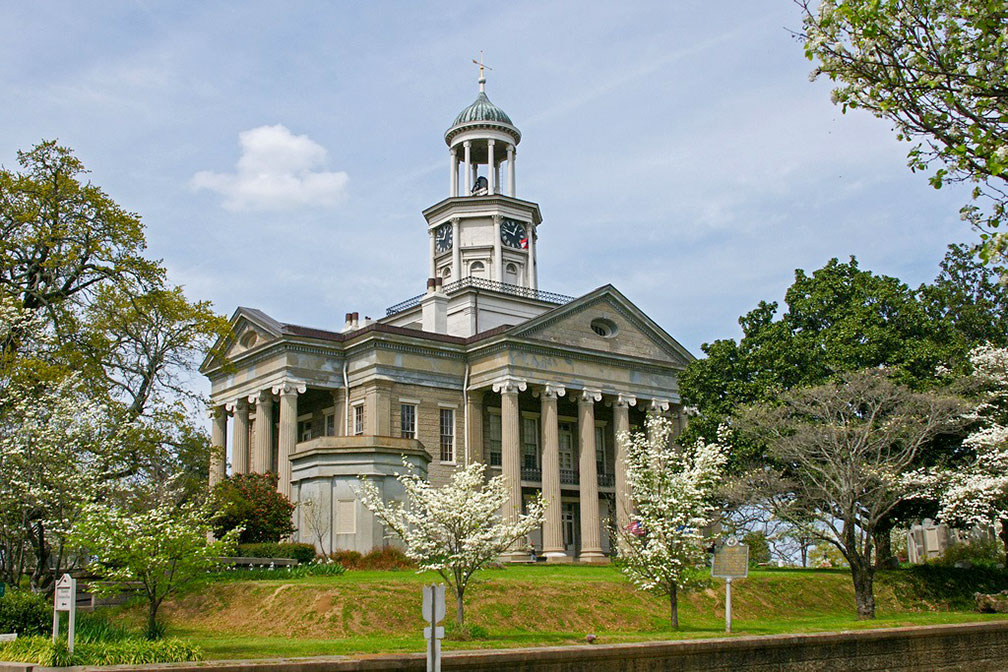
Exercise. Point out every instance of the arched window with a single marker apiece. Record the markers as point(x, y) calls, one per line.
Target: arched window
point(446, 272)
point(477, 269)
point(511, 274)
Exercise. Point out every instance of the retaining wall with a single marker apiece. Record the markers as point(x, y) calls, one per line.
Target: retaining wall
point(972, 647)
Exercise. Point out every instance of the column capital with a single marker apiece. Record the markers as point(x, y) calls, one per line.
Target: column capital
point(490, 142)
point(551, 391)
point(236, 404)
point(658, 406)
point(261, 395)
point(497, 219)
point(591, 395)
point(509, 385)
point(623, 400)
point(218, 410)
point(294, 387)
point(466, 144)
point(511, 150)
point(455, 221)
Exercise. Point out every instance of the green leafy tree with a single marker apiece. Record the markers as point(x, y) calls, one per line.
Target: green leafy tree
point(936, 70)
point(759, 547)
point(80, 299)
point(162, 549)
point(251, 503)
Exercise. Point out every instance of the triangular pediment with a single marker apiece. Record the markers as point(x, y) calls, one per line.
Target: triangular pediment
point(251, 329)
point(606, 321)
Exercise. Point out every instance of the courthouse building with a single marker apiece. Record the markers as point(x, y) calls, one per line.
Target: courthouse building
point(483, 366)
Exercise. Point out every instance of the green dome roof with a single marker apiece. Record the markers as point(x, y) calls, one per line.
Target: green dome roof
point(482, 110)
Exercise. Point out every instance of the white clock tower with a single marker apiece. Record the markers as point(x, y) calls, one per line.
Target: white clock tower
point(482, 230)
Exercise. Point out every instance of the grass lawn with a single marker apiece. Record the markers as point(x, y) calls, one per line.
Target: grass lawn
point(379, 611)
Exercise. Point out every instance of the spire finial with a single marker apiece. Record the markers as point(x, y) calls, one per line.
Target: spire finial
point(482, 77)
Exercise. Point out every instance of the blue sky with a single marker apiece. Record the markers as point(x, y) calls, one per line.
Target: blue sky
point(280, 153)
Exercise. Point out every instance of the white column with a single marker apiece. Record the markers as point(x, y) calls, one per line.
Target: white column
point(621, 422)
point(655, 408)
point(453, 186)
point(491, 170)
point(511, 170)
point(511, 455)
point(498, 253)
point(530, 265)
point(468, 167)
point(456, 249)
point(262, 452)
point(591, 544)
point(553, 545)
point(218, 445)
point(288, 392)
point(433, 268)
point(240, 437)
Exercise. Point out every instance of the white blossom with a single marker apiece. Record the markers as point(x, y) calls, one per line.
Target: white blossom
point(455, 529)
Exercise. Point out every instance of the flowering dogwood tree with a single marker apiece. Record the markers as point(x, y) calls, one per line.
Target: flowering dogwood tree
point(976, 495)
point(455, 529)
point(672, 490)
point(161, 549)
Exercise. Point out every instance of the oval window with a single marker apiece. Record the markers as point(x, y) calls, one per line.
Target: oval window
point(604, 327)
point(249, 339)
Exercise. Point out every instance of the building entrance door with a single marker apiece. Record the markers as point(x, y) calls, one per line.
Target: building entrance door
point(571, 522)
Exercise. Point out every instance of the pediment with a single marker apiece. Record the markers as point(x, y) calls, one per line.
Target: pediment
point(605, 321)
point(250, 330)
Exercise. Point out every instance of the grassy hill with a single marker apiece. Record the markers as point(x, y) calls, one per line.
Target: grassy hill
point(368, 611)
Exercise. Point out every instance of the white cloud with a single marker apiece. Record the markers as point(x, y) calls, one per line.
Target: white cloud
point(277, 170)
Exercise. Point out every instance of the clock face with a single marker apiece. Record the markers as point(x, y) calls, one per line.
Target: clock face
point(443, 238)
point(513, 234)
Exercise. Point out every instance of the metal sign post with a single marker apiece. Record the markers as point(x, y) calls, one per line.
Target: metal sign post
point(433, 610)
point(731, 561)
point(65, 599)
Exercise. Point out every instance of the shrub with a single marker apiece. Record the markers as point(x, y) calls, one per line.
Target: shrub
point(92, 627)
point(252, 501)
point(985, 551)
point(43, 651)
point(303, 553)
point(379, 559)
point(25, 613)
point(759, 548)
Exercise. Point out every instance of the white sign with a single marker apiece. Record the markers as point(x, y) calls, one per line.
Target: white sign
point(65, 600)
point(433, 610)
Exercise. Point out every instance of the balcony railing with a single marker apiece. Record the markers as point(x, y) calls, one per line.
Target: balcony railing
point(567, 476)
point(489, 285)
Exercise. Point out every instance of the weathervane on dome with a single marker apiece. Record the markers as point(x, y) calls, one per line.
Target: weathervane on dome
point(481, 64)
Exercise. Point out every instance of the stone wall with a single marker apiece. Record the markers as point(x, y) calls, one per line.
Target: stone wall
point(972, 647)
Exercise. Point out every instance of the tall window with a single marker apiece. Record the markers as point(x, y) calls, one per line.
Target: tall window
point(566, 432)
point(330, 424)
point(600, 449)
point(447, 435)
point(530, 443)
point(305, 430)
point(407, 421)
point(494, 426)
point(358, 419)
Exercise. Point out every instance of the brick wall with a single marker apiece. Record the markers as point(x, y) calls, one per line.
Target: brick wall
point(971, 647)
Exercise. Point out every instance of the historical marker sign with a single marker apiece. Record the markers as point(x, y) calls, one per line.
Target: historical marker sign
point(731, 561)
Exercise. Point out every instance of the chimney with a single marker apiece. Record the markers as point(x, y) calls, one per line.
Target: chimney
point(434, 308)
point(348, 324)
point(354, 320)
